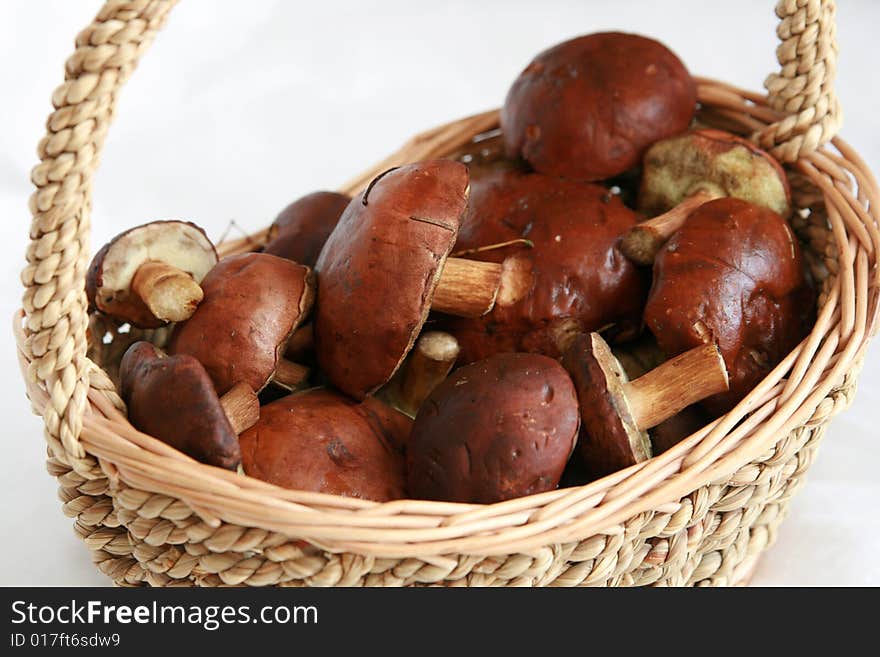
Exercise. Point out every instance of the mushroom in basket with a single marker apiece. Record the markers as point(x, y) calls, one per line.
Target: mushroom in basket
point(253, 303)
point(563, 237)
point(172, 398)
point(494, 430)
point(682, 173)
point(588, 108)
point(300, 230)
point(616, 412)
point(149, 275)
point(732, 275)
point(386, 265)
point(425, 367)
point(319, 440)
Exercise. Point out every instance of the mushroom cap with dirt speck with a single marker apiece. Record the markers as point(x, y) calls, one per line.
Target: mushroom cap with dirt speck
point(497, 429)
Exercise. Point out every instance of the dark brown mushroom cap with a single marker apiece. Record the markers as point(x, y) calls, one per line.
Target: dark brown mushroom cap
point(577, 275)
point(320, 441)
point(609, 439)
point(716, 161)
point(589, 107)
point(301, 228)
point(253, 302)
point(173, 399)
point(108, 280)
point(494, 430)
point(732, 274)
point(379, 269)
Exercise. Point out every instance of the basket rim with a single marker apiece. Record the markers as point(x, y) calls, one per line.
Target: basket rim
point(133, 461)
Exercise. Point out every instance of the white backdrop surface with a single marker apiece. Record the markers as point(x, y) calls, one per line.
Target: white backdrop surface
point(240, 107)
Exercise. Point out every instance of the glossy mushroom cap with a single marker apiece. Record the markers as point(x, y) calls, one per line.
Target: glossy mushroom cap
point(379, 269)
point(112, 270)
point(300, 230)
point(172, 398)
point(713, 160)
point(578, 278)
point(732, 274)
point(253, 303)
point(320, 441)
point(494, 430)
point(588, 108)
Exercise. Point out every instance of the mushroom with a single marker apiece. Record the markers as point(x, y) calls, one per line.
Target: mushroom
point(682, 173)
point(300, 230)
point(494, 430)
point(588, 108)
point(732, 275)
point(573, 274)
point(386, 265)
point(426, 365)
point(616, 412)
point(320, 441)
point(173, 399)
point(253, 303)
point(149, 275)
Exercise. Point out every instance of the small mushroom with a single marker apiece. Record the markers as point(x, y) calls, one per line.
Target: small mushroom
point(386, 265)
point(426, 365)
point(149, 275)
point(563, 237)
point(682, 173)
point(253, 303)
point(494, 430)
point(588, 108)
point(616, 412)
point(318, 440)
point(173, 399)
point(732, 275)
point(300, 230)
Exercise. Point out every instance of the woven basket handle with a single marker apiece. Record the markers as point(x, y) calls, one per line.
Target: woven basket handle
point(107, 52)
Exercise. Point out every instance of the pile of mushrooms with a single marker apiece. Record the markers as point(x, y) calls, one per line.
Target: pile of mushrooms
point(480, 327)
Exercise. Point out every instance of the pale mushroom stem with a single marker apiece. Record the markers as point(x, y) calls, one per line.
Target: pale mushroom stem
point(427, 365)
point(675, 385)
point(242, 407)
point(645, 239)
point(300, 343)
point(470, 288)
point(171, 294)
point(289, 374)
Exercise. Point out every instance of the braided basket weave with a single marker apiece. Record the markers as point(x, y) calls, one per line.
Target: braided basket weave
point(698, 514)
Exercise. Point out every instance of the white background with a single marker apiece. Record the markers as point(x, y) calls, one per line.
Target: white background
point(240, 107)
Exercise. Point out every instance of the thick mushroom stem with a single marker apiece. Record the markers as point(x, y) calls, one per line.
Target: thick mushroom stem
point(470, 288)
point(426, 366)
point(242, 407)
point(170, 293)
point(675, 385)
point(289, 374)
point(645, 239)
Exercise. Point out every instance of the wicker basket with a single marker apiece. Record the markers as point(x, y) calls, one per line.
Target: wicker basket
point(700, 513)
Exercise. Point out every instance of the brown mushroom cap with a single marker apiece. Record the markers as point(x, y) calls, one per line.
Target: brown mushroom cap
point(253, 302)
point(379, 270)
point(589, 107)
point(320, 441)
point(733, 274)
point(494, 430)
point(610, 439)
point(578, 277)
point(301, 228)
point(173, 399)
point(108, 280)
point(716, 161)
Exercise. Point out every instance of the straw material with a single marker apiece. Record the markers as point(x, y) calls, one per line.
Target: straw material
point(698, 514)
